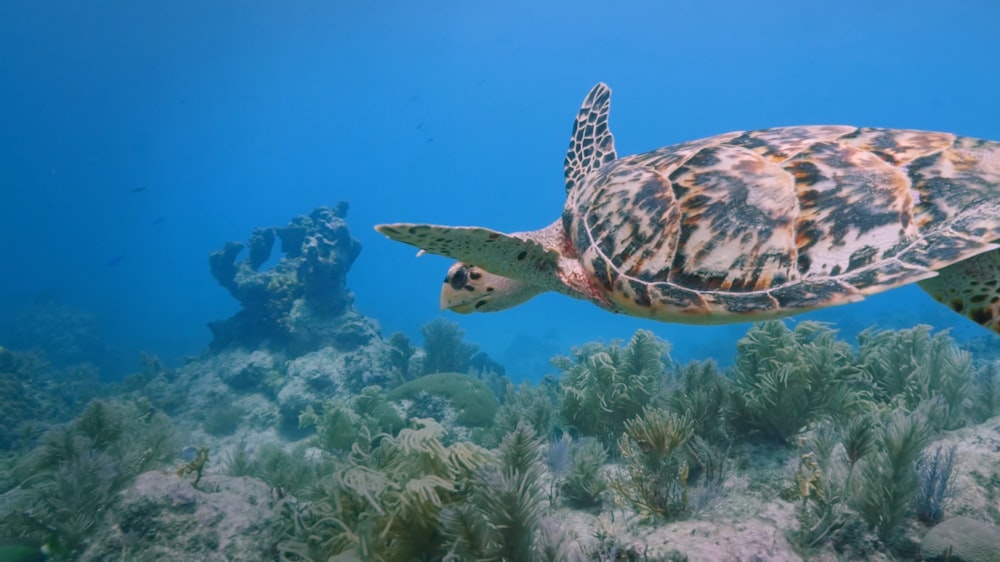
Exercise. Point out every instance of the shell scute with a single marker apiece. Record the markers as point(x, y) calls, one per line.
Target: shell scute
point(814, 294)
point(780, 144)
point(851, 200)
point(899, 147)
point(738, 220)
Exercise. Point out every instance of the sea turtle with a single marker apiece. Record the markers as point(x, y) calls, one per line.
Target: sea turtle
point(745, 226)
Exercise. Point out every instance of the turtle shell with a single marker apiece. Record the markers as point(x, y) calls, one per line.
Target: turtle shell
point(773, 222)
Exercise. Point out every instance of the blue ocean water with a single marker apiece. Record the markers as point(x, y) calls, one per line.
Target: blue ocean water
point(137, 137)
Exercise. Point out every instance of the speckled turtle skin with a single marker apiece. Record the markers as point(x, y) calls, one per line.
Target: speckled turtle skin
point(760, 224)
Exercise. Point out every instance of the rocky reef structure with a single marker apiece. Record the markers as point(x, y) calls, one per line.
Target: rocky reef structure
point(164, 517)
point(301, 303)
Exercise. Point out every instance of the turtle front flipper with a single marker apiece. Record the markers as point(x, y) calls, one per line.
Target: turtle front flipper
point(970, 288)
point(502, 254)
point(591, 145)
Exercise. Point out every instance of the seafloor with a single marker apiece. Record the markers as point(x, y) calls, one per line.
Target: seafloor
point(304, 433)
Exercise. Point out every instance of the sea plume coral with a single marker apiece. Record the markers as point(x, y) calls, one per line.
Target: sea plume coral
point(604, 386)
point(786, 378)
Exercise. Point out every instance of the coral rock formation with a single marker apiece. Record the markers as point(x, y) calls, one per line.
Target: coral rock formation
point(301, 303)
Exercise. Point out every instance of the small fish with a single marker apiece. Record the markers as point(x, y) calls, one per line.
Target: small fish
point(159, 220)
point(137, 190)
point(115, 261)
point(420, 125)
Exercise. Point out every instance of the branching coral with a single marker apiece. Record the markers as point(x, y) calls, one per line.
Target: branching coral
point(935, 472)
point(533, 405)
point(376, 412)
point(223, 419)
point(336, 424)
point(285, 472)
point(444, 349)
point(501, 520)
point(822, 513)
point(585, 483)
point(870, 473)
point(888, 479)
point(986, 398)
point(908, 367)
point(17, 406)
point(704, 398)
point(63, 485)
point(412, 498)
point(822, 486)
point(400, 353)
point(654, 479)
point(382, 502)
point(607, 385)
point(784, 379)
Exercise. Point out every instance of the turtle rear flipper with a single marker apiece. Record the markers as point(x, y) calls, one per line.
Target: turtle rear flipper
point(498, 253)
point(970, 288)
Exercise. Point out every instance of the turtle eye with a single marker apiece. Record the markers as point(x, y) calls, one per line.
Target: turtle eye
point(459, 279)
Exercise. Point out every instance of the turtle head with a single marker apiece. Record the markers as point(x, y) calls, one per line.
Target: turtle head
point(468, 288)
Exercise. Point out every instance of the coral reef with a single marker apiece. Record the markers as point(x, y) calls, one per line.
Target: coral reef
point(18, 404)
point(301, 303)
point(35, 394)
point(288, 473)
point(532, 405)
point(223, 419)
point(887, 478)
point(704, 396)
point(400, 353)
point(61, 490)
point(369, 474)
point(986, 399)
point(66, 335)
